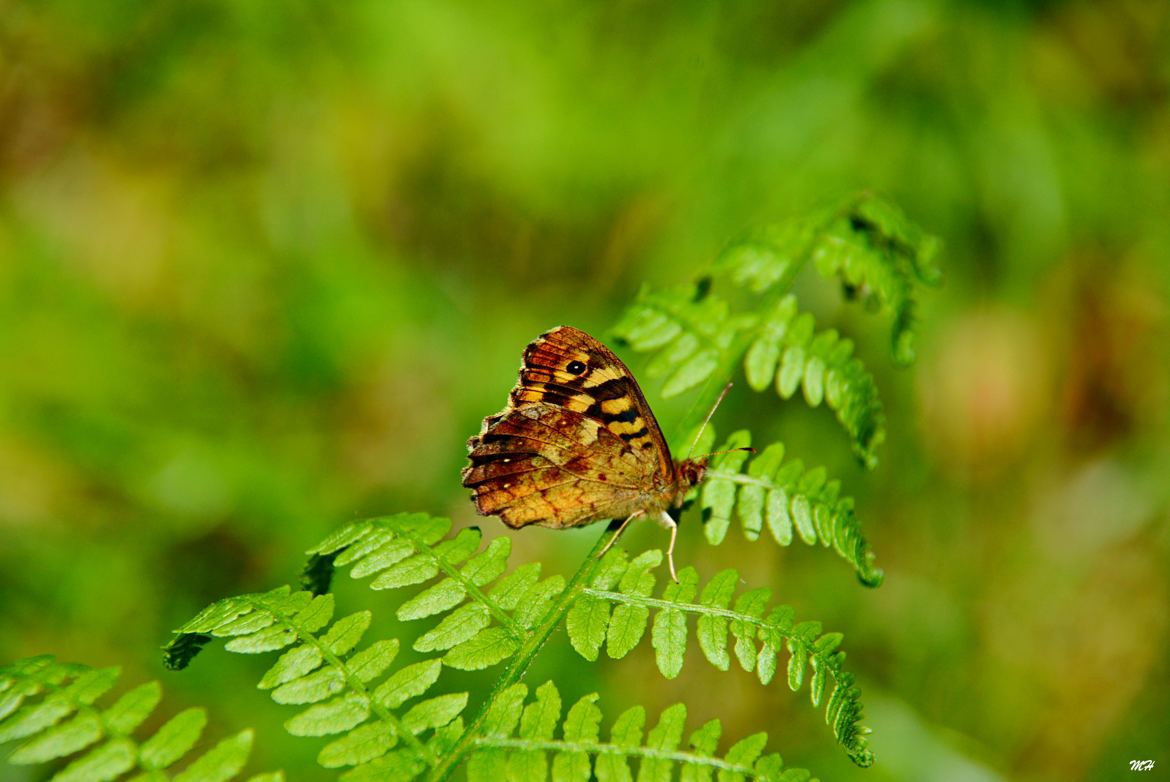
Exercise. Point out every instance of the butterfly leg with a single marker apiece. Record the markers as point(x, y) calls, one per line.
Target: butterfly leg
point(665, 520)
point(618, 534)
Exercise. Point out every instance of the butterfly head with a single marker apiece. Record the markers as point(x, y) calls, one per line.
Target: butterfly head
point(689, 472)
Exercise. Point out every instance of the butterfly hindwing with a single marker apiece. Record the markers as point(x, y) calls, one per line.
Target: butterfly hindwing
point(547, 465)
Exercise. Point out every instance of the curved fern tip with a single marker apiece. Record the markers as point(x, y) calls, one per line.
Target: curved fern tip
point(178, 654)
point(872, 578)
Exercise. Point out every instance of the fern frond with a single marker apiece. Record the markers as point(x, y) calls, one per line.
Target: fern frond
point(615, 607)
point(692, 330)
point(355, 693)
point(786, 350)
point(579, 753)
point(359, 697)
point(867, 243)
point(767, 491)
point(52, 709)
point(409, 549)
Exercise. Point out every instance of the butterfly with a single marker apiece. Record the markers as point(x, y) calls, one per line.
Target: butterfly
point(577, 443)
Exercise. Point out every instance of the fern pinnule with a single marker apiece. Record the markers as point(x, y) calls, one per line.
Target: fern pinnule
point(692, 331)
point(866, 243)
point(51, 707)
point(788, 352)
point(579, 754)
point(783, 496)
point(357, 695)
point(614, 611)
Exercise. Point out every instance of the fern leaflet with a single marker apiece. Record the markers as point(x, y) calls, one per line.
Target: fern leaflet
point(387, 721)
point(51, 708)
point(579, 752)
point(866, 243)
point(782, 496)
point(615, 609)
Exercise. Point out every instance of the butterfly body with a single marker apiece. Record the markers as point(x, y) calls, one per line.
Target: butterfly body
point(577, 443)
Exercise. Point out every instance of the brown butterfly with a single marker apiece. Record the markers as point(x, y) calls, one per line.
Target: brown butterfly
point(577, 443)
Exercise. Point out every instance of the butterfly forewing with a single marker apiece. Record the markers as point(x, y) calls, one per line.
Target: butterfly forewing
point(569, 368)
point(577, 442)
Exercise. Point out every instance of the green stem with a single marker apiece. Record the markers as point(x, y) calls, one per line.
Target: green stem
point(521, 660)
point(506, 621)
point(537, 745)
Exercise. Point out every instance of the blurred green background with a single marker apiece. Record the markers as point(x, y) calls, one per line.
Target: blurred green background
point(263, 269)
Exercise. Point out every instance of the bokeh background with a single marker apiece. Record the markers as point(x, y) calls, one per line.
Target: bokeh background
point(264, 268)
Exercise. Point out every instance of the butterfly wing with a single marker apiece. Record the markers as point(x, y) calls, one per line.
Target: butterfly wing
point(577, 442)
point(569, 368)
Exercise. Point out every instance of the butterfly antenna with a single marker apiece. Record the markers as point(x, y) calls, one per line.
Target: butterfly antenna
point(747, 448)
point(707, 420)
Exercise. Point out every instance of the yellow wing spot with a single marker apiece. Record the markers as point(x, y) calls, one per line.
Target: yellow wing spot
point(615, 406)
point(599, 376)
point(579, 403)
point(626, 427)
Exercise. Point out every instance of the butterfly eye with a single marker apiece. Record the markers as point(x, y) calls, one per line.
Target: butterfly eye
point(575, 367)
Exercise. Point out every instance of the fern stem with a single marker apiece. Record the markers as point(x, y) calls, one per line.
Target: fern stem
point(830, 661)
point(615, 749)
point(502, 617)
point(687, 608)
point(352, 682)
point(740, 478)
point(520, 661)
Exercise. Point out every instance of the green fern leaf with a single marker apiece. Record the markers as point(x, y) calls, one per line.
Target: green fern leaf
point(311, 688)
point(434, 713)
point(587, 623)
point(485, 649)
point(538, 601)
point(703, 742)
point(582, 726)
point(331, 717)
point(628, 623)
point(109, 761)
point(537, 724)
point(669, 635)
point(407, 683)
point(174, 739)
point(360, 745)
point(53, 707)
point(758, 635)
point(500, 755)
point(626, 734)
point(692, 330)
point(866, 242)
point(788, 352)
point(782, 496)
point(461, 625)
point(713, 625)
point(133, 708)
point(222, 762)
point(356, 696)
point(63, 739)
